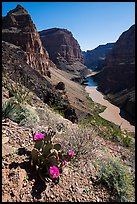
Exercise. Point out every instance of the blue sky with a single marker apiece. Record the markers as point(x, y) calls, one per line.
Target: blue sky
point(91, 23)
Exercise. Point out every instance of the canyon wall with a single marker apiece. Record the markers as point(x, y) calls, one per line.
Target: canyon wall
point(63, 49)
point(117, 78)
point(94, 59)
point(19, 29)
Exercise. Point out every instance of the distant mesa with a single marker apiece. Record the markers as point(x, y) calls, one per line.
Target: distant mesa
point(60, 43)
point(95, 59)
point(63, 49)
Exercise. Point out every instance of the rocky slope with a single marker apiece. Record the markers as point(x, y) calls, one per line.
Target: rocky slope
point(95, 58)
point(24, 58)
point(118, 75)
point(78, 181)
point(19, 29)
point(17, 49)
point(63, 49)
point(15, 67)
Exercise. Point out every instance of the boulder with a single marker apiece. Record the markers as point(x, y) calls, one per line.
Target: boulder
point(60, 86)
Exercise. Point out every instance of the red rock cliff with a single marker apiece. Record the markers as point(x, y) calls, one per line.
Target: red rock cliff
point(118, 75)
point(119, 71)
point(19, 29)
point(61, 45)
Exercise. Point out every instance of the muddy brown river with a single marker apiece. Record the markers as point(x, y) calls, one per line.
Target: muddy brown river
point(112, 112)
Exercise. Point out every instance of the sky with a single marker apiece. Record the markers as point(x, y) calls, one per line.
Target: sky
point(91, 23)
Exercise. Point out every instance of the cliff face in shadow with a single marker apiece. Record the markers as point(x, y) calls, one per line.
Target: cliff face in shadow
point(117, 79)
point(94, 59)
point(15, 67)
point(25, 59)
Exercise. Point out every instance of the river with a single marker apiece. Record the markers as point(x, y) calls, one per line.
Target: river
point(112, 112)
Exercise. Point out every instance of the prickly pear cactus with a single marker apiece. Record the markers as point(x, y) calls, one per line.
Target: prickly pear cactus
point(47, 156)
point(46, 149)
point(35, 157)
point(38, 144)
point(57, 147)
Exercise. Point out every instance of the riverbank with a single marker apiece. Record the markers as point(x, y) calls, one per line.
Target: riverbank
point(112, 112)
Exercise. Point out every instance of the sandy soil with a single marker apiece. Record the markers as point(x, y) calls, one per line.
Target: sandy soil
point(92, 73)
point(111, 113)
point(75, 92)
point(77, 98)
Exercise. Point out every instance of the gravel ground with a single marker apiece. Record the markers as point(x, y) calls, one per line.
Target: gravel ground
point(20, 183)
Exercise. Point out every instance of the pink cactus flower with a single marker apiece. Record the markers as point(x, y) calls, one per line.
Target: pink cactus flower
point(70, 152)
point(54, 171)
point(38, 136)
point(64, 162)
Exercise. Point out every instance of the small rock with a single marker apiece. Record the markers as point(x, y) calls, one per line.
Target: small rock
point(93, 178)
point(21, 196)
point(5, 163)
point(79, 190)
point(6, 149)
point(60, 86)
point(24, 184)
point(78, 200)
point(52, 196)
point(22, 175)
point(97, 198)
point(5, 140)
point(66, 171)
point(47, 191)
point(3, 131)
point(29, 195)
point(71, 190)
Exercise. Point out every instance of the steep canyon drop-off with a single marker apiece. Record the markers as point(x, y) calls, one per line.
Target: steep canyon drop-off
point(24, 57)
point(117, 77)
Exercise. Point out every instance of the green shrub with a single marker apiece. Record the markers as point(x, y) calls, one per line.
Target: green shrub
point(127, 141)
point(117, 178)
point(20, 93)
point(7, 108)
point(13, 110)
point(31, 117)
point(19, 113)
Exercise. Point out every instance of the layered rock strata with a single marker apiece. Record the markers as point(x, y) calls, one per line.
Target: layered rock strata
point(63, 50)
point(94, 59)
point(117, 79)
point(15, 67)
point(19, 29)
